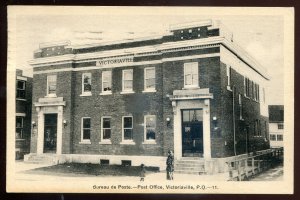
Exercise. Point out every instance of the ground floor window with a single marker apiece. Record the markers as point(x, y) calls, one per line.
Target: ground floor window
point(106, 128)
point(279, 137)
point(127, 128)
point(19, 128)
point(86, 129)
point(150, 126)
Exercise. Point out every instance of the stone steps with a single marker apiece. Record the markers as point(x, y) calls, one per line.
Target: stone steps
point(190, 166)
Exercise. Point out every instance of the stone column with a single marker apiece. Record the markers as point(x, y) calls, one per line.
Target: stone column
point(59, 130)
point(177, 132)
point(40, 136)
point(206, 130)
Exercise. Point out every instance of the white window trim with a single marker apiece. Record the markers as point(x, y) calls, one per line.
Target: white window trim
point(89, 93)
point(145, 131)
point(126, 91)
point(102, 89)
point(184, 69)
point(128, 142)
point(104, 141)
point(51, 95)
point(21, 127)
point(85, 141)
point(145, 85)
point(228, 75)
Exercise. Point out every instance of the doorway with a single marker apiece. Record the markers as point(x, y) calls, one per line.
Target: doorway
point(192, 133)
point(50, 133)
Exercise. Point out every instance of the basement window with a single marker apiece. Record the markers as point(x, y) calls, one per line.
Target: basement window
point(126, 163)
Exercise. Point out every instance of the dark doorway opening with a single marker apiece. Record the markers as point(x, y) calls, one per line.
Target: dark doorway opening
point(50, 133)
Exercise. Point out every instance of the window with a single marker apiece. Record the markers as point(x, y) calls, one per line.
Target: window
point(240, 107)
point(228, 73)
point(51, 85)
point(106, 81)
point(279, 137)
point(21, 89)
point(86, 129)
point(246, 86)
point(106, 129)
point(280, 126)
point(272, 137)
point(127, 128)
point(86, 83)
point(19, 128)
point(256, 128)
point(150, 127)
point(127, 80)
point(149, 79)
point(191, 74)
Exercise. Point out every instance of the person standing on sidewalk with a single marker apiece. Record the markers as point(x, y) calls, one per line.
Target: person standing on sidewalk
point(143, 172)
point(170, 165)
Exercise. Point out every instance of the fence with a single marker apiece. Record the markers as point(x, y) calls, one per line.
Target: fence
point(253, 164)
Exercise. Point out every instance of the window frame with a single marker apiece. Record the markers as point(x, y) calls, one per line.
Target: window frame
point(197, 85)
point(241, 107)
point(126, 141)
point(105, 141)
point(102, 82)
point(48, 77)
point(86, 141)
point(280, 126)
point(228, 75)
point(86, 93)
point(123, 80)
point(23, 89)
point(279, 136)
point(150, 141)
point(145, 80)
point(273, 137)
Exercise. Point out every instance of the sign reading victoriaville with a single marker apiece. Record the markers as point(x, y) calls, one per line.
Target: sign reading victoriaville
point(115, 61)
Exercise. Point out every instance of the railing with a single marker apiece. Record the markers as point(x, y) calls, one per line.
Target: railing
point(244, 168)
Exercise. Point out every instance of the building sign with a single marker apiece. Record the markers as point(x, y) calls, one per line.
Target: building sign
point(115, 61)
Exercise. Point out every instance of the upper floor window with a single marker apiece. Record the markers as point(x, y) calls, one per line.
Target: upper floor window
point(149, 79)
point(272, 137)
point(191, 75)
point(19, 127)
point(247, 87)
point(127, 85)
point(86, 129)
point(86, 83)
point(280, 126)
point(21, 89)
point(279, 137)
point(150, 127)
point(106, 81)
point(228, 74)
point(241, 107)
point(51, 85)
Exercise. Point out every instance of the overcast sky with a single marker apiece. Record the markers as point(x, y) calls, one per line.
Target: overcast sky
point(260, 35)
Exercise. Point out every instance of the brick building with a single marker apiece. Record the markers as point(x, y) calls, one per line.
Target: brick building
point(276, 125)
point(192, 90)
point(23, 113)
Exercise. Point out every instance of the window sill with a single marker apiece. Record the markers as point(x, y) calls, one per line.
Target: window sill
point(148, 91)
point(51, 96)
point(149, 142)
point(229, 88)
point(20, 139)
point(127, 92)
point(85, 142)
point(18, 99)
point(130, 142)
point(105, 142)
point(86, 94)
point(105, 93)
point(190, 87)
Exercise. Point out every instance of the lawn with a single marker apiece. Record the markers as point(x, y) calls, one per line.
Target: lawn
point(74, 169)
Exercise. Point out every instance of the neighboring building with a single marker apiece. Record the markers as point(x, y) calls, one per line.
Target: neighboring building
point(23, 113)
point(276, 125)
point(193, 91)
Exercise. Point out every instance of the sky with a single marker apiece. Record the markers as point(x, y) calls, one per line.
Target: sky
point(262, 36)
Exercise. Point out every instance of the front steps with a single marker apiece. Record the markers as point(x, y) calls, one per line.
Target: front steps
point(42, 159)
point(190, 165)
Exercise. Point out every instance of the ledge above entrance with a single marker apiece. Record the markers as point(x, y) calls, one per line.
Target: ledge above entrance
point(50, 101)
point(191, 94)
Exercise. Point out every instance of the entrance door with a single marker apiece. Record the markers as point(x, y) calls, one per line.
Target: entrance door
point(50, 133)
point(192, 133)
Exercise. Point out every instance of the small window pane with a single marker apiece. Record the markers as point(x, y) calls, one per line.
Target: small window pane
point(106, 134)
point(186, 115)
point(86, 134)
point(150, 127)
point(150, 83)
point(128, 75)
point(127, 122)
point(279, 137)
point(127, 134)
point(150, 73)
point(106, 80)
point(87, 87)
point(19, 122)
point(87, 123)
point(106, 122)
point(127, 85)
point(21, 85)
